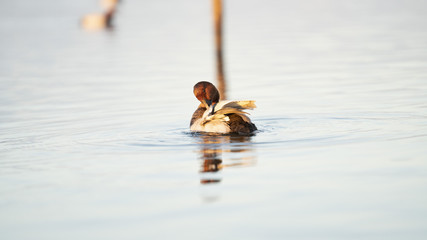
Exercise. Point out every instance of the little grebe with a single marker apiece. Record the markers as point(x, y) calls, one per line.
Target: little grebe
point(217, 116)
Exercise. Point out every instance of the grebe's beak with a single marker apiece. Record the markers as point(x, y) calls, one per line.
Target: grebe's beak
point(209, 104)
point(213, 109)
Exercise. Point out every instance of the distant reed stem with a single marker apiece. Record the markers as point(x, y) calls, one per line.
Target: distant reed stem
point(217, 11)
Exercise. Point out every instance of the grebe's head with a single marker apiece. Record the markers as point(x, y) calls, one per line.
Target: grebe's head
point(207, 94)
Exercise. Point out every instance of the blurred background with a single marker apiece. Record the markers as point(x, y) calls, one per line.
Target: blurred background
point(94, 123)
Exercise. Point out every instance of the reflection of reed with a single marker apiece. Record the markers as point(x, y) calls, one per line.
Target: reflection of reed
point(212, 148)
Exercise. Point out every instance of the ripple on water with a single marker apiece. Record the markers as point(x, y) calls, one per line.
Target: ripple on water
point(313, 130)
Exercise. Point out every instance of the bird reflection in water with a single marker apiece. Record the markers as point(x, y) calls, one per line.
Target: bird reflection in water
point(222, 151)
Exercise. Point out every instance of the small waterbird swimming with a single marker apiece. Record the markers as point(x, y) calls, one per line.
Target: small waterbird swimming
point(97, 21)
point(217, 116)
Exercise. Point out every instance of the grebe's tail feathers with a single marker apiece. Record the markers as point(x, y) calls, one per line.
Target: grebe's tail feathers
point(247, 104)
point(233, 107)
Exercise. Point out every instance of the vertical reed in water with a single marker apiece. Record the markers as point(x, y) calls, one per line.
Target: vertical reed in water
point(217, 11)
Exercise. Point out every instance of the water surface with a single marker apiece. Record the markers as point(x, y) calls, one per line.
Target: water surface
point(94, 138)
